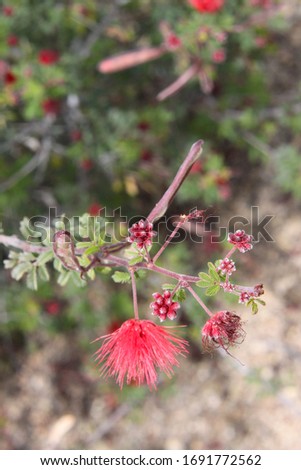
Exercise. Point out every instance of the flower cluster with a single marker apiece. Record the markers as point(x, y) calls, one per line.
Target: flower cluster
point(241, 240)
point(163, 306)
point(135, 351)
point(141, 233)
point(227, 266)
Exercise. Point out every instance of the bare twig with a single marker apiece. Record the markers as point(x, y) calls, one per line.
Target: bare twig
point(40, 157)
point(161, 207)
point(15, 242)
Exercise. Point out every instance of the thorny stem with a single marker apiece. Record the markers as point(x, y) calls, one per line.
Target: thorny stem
point(171, 236)
point(197, 298)
point(134, 289)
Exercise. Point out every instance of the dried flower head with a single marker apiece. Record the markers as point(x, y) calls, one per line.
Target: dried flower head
point(241, 240)
point(141, 233)
point(163, 306)
point(135, 351)
point(223, 329)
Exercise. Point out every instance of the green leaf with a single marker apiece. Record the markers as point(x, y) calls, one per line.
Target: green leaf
point(212, 290)
point(44, 258)
point(262, 302)
point(205, 277)
point(91, 250)
point(168, 286)
point(121, 277)
point(18, 271)
point(64, 278)
point(212, 272)
point(254, 308)
point(204, 284)
point(137, 259)
point(32, 279)
point(180, 295)
point(43, 273)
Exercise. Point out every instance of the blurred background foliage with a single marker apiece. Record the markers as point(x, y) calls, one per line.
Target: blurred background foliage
point(80, 141)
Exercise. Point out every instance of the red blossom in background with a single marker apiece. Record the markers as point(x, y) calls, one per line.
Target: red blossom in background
point(48, 57)
point(95, 208)
point(207, 6)
point(141, 233)
point(76, 135)
point(173, 42)
point(219, 56)
point(51, 106)
point(223, 329)
point(86, 164)
point(137, 350)
point(163, 306)
point(9, 78)
point(12, 40)
point(8, 11)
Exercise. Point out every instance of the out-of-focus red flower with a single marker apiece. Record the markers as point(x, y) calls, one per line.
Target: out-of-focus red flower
point(223, 329)
point(7, 10)
point(76, 135)
point(135, 352)
point(173, 42)
point(207, 6)
point(52, 307)
point(86, 164)
point(95, 208)
point(146, 155)
point(12, 40)
point(143, 126)
point(219, 56)
point(48, 57)
point(197, 167)
point(9, 78)
point(51, 106)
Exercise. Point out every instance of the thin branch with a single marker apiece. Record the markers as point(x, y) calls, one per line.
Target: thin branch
point(15, 242)
point(161, 206)
point(179, 83)
point(199, 300)
point(134, 288)
point(39, 159)
point(171, 236)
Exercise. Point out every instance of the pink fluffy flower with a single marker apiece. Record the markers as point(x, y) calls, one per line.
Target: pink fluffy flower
point(207, 6)
point(241, 240)
point(163, 306)
point(223, 329)
point(141, 233)
point(137, 350)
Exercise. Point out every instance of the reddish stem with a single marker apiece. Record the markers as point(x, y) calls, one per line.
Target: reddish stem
point(199, 300)
point(171, 236)
point(134, 289)
point(161, 206)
